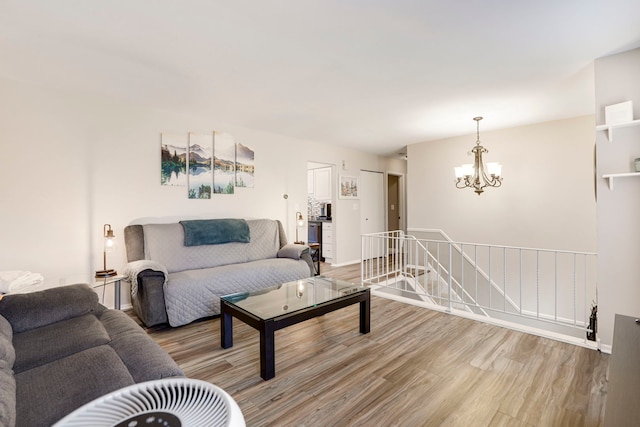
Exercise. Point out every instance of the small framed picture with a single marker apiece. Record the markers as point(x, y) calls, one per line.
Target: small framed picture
point(348, 187)
point(618, 113)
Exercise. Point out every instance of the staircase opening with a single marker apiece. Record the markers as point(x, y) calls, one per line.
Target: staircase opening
point(542, 291)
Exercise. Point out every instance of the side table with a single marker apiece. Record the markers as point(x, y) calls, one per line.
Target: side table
point(116, 287)
point(314, 251)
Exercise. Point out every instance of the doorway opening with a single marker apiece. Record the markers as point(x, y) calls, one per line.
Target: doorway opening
point(396, 219)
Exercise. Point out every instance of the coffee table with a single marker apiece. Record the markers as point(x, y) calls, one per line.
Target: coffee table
point(275, 308)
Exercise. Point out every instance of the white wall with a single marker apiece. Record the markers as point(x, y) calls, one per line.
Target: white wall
point(546, 200)
point(74, 162)
point(616, 79)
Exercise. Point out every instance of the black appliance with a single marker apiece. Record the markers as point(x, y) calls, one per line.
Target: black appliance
point(325, 211)
point(315, 232)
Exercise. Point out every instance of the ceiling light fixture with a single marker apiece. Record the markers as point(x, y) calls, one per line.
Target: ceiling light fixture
point(476, 175)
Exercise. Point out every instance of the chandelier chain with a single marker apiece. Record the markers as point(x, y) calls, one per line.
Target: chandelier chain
point(477, 119)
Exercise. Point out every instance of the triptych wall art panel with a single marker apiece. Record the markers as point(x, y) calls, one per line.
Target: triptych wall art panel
point(206, 162)
point(200, 175)
point(173, 156)
point(244, 166)
point(224, 168)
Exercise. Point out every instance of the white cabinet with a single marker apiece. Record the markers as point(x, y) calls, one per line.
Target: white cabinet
point(327, 241)
point(319, 183)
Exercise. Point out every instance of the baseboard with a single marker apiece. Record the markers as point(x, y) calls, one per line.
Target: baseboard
point(605, 348)
point(516, 327)
point(344, 264)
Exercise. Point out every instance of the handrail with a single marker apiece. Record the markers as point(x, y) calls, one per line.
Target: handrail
point(550, 289)
point(448, 239)
point(452, 279)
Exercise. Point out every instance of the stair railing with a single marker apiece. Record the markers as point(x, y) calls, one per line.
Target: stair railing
point(540, 288)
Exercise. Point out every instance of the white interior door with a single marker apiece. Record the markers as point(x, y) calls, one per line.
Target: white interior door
point(372, 207)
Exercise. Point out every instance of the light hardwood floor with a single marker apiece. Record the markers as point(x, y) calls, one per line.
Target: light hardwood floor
point(416, 367)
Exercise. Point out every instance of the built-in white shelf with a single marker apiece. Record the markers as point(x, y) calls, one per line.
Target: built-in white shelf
point(610, 128)
point(609, 177)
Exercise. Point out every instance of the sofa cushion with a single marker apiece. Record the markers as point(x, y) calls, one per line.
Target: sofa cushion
point(47, 393)
point(118, 324)
point(7, 352)
point(36, 309)
point(193, 294)
point(145, 359)
point(52, 342)
point(164, 243)
point(5, 328)
point(7, 395)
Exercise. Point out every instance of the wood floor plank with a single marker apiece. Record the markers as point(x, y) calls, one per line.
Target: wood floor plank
point(416, 367)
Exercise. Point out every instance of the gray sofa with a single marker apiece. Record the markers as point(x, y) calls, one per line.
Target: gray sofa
point(175, 282)
point(60, 348)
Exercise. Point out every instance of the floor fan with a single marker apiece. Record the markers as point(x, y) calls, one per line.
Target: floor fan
point(170, 402)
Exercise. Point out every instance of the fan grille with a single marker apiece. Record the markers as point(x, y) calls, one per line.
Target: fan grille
point(165, 402)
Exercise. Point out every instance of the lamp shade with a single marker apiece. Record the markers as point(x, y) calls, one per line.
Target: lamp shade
point(494, 168)
point(109, 241)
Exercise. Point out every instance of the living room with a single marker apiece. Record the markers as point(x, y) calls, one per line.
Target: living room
point(83, 151)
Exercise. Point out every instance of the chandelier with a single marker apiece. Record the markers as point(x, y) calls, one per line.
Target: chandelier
point(477, 175)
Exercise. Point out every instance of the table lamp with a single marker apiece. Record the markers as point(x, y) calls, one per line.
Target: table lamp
point(109, 246)
point(299, 223)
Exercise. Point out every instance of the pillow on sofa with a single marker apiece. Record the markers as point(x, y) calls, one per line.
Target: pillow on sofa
point(36, 309)
point(199, 232)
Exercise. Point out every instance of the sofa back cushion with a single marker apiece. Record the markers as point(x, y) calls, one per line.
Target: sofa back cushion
point(164, 243)
point(36, 309)
point(60, 340)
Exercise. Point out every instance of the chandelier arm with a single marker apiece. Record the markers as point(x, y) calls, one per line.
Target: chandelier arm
point(461, 184)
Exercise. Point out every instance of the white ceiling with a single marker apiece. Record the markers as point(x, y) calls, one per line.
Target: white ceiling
point(373, 75)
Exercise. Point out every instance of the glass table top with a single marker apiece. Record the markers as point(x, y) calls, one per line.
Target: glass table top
point(292, 296)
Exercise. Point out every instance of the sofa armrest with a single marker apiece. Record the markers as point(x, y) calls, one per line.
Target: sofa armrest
point(148, 302)
point(36, 309)
point(297, 251)
point(293, 251)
